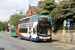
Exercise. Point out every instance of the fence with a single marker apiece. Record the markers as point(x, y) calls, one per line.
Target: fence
point(56, 35)
point(72, 27)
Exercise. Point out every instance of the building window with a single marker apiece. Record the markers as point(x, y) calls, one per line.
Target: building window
point(33, 13)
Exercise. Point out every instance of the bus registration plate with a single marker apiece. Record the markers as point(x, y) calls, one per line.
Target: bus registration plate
point(44, 40)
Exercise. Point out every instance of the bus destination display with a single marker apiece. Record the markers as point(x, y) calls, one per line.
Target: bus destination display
point(44, 24)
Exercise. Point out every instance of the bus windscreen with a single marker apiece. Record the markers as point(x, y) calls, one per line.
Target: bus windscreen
point(44, 31)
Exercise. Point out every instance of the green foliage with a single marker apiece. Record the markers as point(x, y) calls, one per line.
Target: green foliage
point(65, 10)
point(3, 25)
point(15, 17)
point(46, 6)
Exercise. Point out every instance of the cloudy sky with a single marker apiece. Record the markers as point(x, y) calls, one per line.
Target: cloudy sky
point(8, 7)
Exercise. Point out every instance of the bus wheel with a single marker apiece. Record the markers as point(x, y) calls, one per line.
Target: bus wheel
point(30, 38)
point(12, 36)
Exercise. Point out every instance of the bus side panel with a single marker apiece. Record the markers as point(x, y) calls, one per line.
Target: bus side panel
point(24, 36)
point(15, 31)
point(36, 39)
point(12, 34)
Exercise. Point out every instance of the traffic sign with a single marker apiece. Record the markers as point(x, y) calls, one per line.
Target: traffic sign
point(68, 22)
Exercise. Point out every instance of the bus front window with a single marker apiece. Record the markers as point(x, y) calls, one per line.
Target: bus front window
point(43, 19)
point(13, 30)
point(44, 31)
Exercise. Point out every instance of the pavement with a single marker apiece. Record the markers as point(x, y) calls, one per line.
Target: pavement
point(64, 44)
point(6, 32)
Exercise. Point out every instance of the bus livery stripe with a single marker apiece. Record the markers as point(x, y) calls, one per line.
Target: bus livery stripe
point(22, 35)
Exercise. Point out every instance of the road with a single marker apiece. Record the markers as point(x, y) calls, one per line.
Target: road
point(12, 43)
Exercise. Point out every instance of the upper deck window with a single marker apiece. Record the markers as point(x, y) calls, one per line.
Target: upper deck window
point(33, 19)
point(26, 20)
point(43, 19)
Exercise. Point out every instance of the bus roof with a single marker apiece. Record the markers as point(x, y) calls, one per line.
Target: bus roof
point(24, 18)
point(33, 16)
point(39, 15)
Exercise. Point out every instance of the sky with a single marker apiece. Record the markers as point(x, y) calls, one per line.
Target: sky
point(8, 7)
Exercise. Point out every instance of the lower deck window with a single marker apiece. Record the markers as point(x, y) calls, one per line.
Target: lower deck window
point(23, 30)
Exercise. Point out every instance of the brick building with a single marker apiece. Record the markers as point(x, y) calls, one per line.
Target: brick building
point(32, 10)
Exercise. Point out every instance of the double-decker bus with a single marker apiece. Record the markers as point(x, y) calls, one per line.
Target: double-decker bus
point(35, 28)
point(14, 32)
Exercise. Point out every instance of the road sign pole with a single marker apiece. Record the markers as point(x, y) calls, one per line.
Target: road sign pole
point(68, 25)
point(68, 36)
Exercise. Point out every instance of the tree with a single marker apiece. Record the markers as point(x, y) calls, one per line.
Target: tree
point(65, 10)
point(3, 25)
point(22, 13)
point(47, 6)
point(15, 17)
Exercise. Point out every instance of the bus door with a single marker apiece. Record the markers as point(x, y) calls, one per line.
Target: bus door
point(30, 31)
point(34, 32)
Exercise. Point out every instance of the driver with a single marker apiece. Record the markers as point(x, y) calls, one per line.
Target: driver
point(42, 31)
